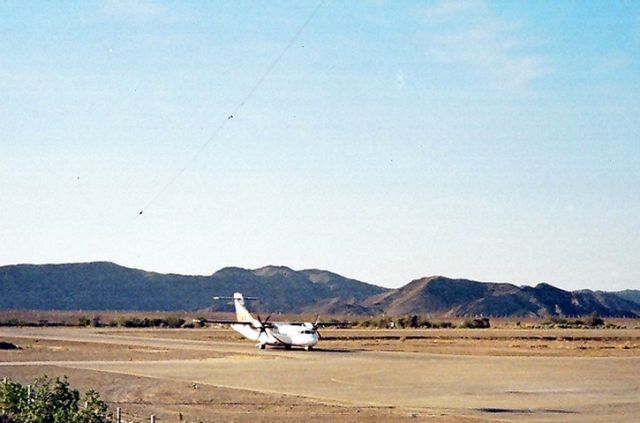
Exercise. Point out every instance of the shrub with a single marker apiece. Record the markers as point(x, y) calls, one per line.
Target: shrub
point(84, 321)
point(376, 323)
point(166, 322)
point(412, 321)
point(558, 320)
point(51, 401)
point(337, 323)
point(482, 323)
point(158, 322)
point(426, 324)
point(131, 322)
point(12, 322)
point(363, 323)
point(401, 322)
point(96, 322)
point(13, 396)
point(174, 322)
point(594, 320)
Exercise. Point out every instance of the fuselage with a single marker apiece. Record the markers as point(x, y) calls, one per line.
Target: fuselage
point(280, 333)
point(272, 333)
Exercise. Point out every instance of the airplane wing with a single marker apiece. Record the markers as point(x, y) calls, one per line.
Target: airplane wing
point(222, 322)
point(233, 322)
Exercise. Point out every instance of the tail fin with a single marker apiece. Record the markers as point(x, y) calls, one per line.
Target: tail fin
point(242, 313)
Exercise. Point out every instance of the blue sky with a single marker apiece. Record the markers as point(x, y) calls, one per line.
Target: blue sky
point(496, 141)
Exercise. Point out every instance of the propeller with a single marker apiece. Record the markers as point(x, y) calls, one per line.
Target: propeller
point(264, 324)
point(314, 326)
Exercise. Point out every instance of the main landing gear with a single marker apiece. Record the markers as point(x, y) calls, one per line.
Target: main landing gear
point(308, 348)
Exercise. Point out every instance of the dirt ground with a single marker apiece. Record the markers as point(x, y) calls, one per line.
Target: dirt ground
point(356, 375)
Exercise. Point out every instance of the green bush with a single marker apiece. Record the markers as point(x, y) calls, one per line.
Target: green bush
point(84, 321)
point(96, 322)
point(558, 320)
point(158, 323)
point(51, 401)
point(131, 322)
point(443, 325)
point(401, 322)
point(590, 322)
point(13, 322)
point(411, 321)
point(594, 320)
point(174, 322)
point(376, 323)
point(482, 323)
point(166, 322)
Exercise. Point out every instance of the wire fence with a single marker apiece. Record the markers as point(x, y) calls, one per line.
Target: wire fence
point(122, 416)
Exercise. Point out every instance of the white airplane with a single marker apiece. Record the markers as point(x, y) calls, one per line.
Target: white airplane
point(284, 334)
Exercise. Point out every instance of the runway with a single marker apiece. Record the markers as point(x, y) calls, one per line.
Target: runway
point(517, 388)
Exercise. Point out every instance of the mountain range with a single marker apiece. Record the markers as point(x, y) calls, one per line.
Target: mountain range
point(461, 297)
point(108, 286)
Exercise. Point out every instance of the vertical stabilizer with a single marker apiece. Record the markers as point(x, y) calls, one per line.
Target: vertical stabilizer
point(242, 313)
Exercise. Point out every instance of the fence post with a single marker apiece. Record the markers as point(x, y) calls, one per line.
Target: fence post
point(153, 419)
point(28, 393)
point(4, 382)
point(118, 415)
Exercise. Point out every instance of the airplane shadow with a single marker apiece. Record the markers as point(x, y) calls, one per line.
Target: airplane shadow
point(322, 350)
point(339, 350)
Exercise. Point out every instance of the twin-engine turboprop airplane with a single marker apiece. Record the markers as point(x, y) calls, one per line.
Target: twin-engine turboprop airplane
point(269, 333)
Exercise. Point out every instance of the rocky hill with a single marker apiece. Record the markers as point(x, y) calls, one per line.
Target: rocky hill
point(629, 295)
point(108, 286)
point(461, 297)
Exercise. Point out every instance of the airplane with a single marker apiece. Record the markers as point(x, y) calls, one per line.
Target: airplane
point(286, 334)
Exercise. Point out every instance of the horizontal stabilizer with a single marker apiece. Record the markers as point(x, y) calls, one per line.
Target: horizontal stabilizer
point(231, 298)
